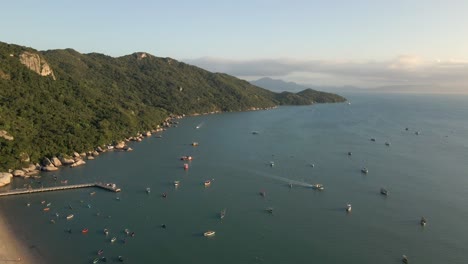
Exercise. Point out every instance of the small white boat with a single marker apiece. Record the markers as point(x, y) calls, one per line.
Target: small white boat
point(318, 186)
point(364, 170)
point(70, 216)
point(383, 191)
point(209, 233)
point(176, 183)
point(423, 221)
point(148, 190)
point(207, 183)
point(106, 231)
point(348, 208)
point(404, 259)
point(113, 239)
point(222, 214)
point(272, 164)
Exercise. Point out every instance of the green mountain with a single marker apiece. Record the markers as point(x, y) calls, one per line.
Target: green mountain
point(59, 101)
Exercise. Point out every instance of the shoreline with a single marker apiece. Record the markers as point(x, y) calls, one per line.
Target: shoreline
point(12, 248)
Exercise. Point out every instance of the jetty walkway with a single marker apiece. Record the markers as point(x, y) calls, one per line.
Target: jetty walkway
point(107, 186)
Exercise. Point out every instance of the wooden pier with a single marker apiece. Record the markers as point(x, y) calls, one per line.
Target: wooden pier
point(107, 186)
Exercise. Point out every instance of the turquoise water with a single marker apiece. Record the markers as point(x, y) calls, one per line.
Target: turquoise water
point(425, 174)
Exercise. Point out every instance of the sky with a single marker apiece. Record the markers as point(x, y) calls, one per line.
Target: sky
point(364, 43)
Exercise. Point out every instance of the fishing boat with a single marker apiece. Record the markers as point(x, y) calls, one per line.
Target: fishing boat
point(189, 158)
point(64, 182)
point(383, 191)
point(85, 230)
point(96, 260)
point(46, 209)
point(120, 258)
point(70, 216)
point(92, 193)
point(254, 132)
point(126, 231)
point(272, 164)
point(28, 204)
point(195, 144)
point(262, 193)
point(290, 185)
point(404, 259)
point(372, 139)
point(164, 195)
point(207, 183)
point(148, 190)
point(49, 204)
point(350, 153)
point(100, 252)
point(387, 144)
point(209, 233)
point(176, 183)
point(364, 170)
point(222, 214)
point(348, 208)
point(423, 221)
point(186, 166)
point(89, 206)
point(106, 231)
point(52, 221)
point(113, 239)
point(270, 210)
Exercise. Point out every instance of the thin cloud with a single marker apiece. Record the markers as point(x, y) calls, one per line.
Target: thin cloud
point(405, 69)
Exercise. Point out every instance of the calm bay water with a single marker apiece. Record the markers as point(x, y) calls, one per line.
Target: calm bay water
point(426, 175)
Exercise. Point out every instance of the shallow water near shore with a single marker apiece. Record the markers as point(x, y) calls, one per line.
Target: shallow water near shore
point(425, 174)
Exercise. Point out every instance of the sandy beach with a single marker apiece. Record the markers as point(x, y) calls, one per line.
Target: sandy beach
point(11, 249)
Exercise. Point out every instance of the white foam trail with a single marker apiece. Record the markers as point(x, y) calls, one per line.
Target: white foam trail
point(283, 179)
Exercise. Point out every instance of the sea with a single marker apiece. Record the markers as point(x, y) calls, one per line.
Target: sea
point(262, 165)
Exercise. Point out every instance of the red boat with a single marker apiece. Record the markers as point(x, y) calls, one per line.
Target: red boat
point(185, 166)
point(84, 231)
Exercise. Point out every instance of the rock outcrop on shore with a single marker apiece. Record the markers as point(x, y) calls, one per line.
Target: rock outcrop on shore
point(5, 178)
point(4, 134)
point(36, 63)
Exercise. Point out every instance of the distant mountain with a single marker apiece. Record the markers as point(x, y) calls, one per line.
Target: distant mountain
point(278, 85)
point(59, 101)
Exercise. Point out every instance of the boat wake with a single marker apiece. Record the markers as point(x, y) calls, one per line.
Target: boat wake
point(283, 179)
point(199, 125)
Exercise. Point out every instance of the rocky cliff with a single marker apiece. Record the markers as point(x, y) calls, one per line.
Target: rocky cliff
point(36, 64)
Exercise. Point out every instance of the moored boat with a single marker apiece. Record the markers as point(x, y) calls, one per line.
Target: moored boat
point(222, 214)
point(270, 210)
point(100, 252)
point(404, 259)
point(96, 260)
point(423, 221)
point(365, 170)
point(176, 183)
point(348, 208)
point(186, 166)
point(383, 191)
point(195, 144)
point(113, 239)
point(209, 233)
point(85, 230)
point(148, 190)
point(70, 216)
point(106, 231)
point(46, 209)
point(207, 183)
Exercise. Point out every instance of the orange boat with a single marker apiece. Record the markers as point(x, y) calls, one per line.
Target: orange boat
point(46, 209)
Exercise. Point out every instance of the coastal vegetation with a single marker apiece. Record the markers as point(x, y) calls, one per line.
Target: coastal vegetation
point(55, 102)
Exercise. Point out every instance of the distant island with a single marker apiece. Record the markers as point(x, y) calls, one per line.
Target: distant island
point(58, 102)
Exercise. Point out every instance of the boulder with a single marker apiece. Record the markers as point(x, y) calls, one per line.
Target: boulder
point(18, 173)
point(31, 173)
point(78, 163)
point(24, 157)
point(67, 160)
point(77, 159)
point(5, 178)
point(90, 157)
point(29, 168)
point(49, 168)
point(56, 162)
point(148, 134)
point(4, 134)
point(76, 154)
point(129, 149)
point(99, 149)
point(95, 153)
point(83, 154)
point(120, 145)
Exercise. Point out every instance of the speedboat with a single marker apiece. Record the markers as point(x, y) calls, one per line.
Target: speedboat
point(113, 239)
point(404, 259)
point(148, 190)
point(423, 221)
point(70, 216)
point(364, 170)
point(207, 183)
point(383, 191)
point(318, 186)
point(209, 233)
point(348, 208)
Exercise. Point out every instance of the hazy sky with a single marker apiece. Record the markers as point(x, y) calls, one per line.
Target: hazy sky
point(359, 42)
